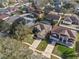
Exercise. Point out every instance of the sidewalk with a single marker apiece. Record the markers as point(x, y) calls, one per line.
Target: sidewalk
point(35, 44)
point(41, 51)
point(73, 28)
point(49, 49)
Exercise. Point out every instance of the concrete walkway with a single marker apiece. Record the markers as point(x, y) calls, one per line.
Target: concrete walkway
point(49, 49)
point(35, 44)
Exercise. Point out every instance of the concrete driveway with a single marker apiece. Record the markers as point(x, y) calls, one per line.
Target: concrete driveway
point(35, 44)
point(49, 49)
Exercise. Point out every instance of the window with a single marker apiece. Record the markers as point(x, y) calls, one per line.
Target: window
point(64, 41)
point(28, 21)
point(55, 35)
point(60, 39)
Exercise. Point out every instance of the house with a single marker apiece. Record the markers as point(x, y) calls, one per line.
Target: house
point(52, 16)
point(15, 1)
point(67, 1)
point(76, 8)
point(40, 30)
point(63, 36)
point(67, 20)
point(30, 19)
point(11, 19)
point(71, 20)
point(3, 10)
point(40, 3)
point(48, 8)
point(57, 5)
point(2, 16)
point(25, 1)
point(4, 2)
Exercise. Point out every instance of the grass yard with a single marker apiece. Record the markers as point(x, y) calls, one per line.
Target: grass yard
point(29, 39)
point(42, 45)
point(64, 52)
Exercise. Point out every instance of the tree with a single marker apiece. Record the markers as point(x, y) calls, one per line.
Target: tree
point(3, 25)
point(18, 29)
point(68, 5)
point(13, 49)
point(77, 1)
point(1, 5)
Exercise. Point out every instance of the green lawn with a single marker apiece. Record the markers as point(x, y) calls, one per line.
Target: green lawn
point(42, 45)
point(29, 39)
point(65, 52)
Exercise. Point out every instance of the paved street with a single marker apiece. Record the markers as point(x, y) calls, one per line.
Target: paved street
point(71, 27)
point(49, 49)
point(61, 13)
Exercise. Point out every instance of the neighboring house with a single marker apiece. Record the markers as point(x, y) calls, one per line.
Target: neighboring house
point(40, 3)
point(15, 1)
point(2, 16)
point(25, 1)
point(76, 8)
point(7, 2)
point(57, 5)
point(3, 10)
point(30, 19)
point(63, 36)
point(48, 8)
point(67, 1)
point(41, 30)
point(11, 19)
point(52, 17)
point(4, 2)
point(9, 10)
point(67, 20)
point(71, 20)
